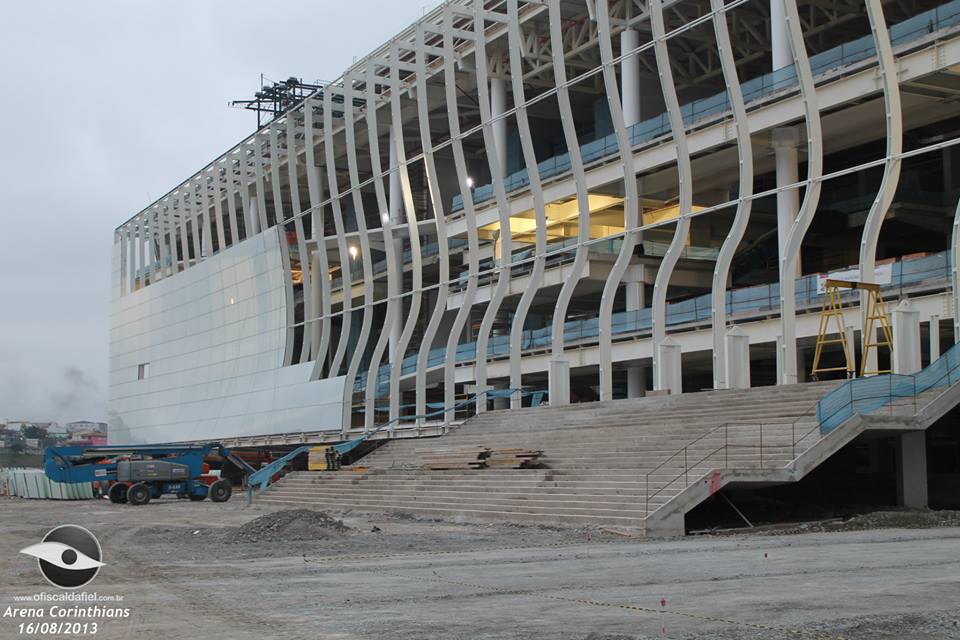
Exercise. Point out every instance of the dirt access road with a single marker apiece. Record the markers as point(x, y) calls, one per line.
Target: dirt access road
point(197, 570)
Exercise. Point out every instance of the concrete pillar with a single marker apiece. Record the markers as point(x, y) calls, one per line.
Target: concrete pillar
point(738, 358)
point(313, 310)
point(906, 338)
point(669, 373)
point(912, 470)
point(559, 382)
point(498, 105)
point(630, 77)
point(850, 335)
point(636, 300)
point(502, 402)
point(779, 38)
point(785, 140)
point(779, 358)
point(395, 206)
point(636, 381)
point(934, 337)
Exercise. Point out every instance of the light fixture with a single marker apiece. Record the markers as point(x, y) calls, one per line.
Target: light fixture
point(232, 300)
point(353, 252)
point(385, 216)
point(469, 182)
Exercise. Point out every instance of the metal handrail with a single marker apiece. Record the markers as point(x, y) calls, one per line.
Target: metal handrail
point(948, 376)
point(725, 447)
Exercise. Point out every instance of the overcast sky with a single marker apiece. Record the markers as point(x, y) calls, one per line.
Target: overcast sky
point(106, 105)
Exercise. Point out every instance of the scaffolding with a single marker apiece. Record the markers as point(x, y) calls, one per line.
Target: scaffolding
point(831, 313)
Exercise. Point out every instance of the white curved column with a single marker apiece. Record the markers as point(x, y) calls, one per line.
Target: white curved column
point(193, 208)
point(231, 188)
point(392, 315)
point(162, 212)
point(744, 200)
point(281, 217)
point(436, 200)
point(559, 370)
point(247, 172)
point(539, 208)
point(261, 193)
point(206, 230)
point(364, 240)
point(297, 211)
point(662, 378)
point(184, 244)
point(789, 259)
point(142, 254)
point(416, 257)
point(631, 203)
point(320, 327)
point(493, 154)
point(346, 275)
point(218, 206)
point(473, 244)
point(891, 168)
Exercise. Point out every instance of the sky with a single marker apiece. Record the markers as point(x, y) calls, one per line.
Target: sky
point(106, 105)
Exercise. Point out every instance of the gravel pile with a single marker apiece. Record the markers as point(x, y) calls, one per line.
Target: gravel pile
point(290, 525)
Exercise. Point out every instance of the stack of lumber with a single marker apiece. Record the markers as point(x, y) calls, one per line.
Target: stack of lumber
point(478, 458)
point(446, 458)
point(513, 458)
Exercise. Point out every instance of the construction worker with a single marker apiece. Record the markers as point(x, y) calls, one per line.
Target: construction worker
point(336, 459)
point(328, 457)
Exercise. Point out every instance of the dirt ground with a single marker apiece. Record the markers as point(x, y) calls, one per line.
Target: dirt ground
point(227, 570)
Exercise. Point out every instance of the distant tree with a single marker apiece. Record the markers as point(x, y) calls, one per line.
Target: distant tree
point(34, 431)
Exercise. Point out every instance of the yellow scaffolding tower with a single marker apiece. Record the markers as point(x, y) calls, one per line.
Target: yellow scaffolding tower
point(832, 309)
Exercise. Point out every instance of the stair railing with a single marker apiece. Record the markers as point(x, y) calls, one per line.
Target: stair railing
point(760, 446)
point(854, 397)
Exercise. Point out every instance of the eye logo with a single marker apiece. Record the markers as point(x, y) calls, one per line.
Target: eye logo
point(69, 556)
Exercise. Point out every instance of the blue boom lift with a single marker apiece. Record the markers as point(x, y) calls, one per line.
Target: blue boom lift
point(137, 473)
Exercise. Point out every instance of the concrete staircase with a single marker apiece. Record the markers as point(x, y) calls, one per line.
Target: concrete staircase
point(612, 463)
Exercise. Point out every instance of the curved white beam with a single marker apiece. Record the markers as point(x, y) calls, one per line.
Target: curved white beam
point(281, 230)
point(631, 203)
point(416, 290)
point(539, 207)
point(685, 178)
point(321, 343)
point(261, 194)
point(811, 196)
point(744, 195)
point(500, 195)
point(436, 200)
point(363, 237)
point(391, 315)
point(891, 169)
point(297, 211)
point(583, 202)
point(346, 274)
point(473, 243)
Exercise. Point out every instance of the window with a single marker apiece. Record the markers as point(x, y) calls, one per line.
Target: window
point(143, 370)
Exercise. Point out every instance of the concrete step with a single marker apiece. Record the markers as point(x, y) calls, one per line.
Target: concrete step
point(463, 513)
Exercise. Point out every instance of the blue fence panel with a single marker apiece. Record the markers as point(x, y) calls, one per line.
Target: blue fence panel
point(865, 395)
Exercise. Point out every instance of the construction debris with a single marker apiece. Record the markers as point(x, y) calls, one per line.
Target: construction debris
point(479, 458)
point(289, 526)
